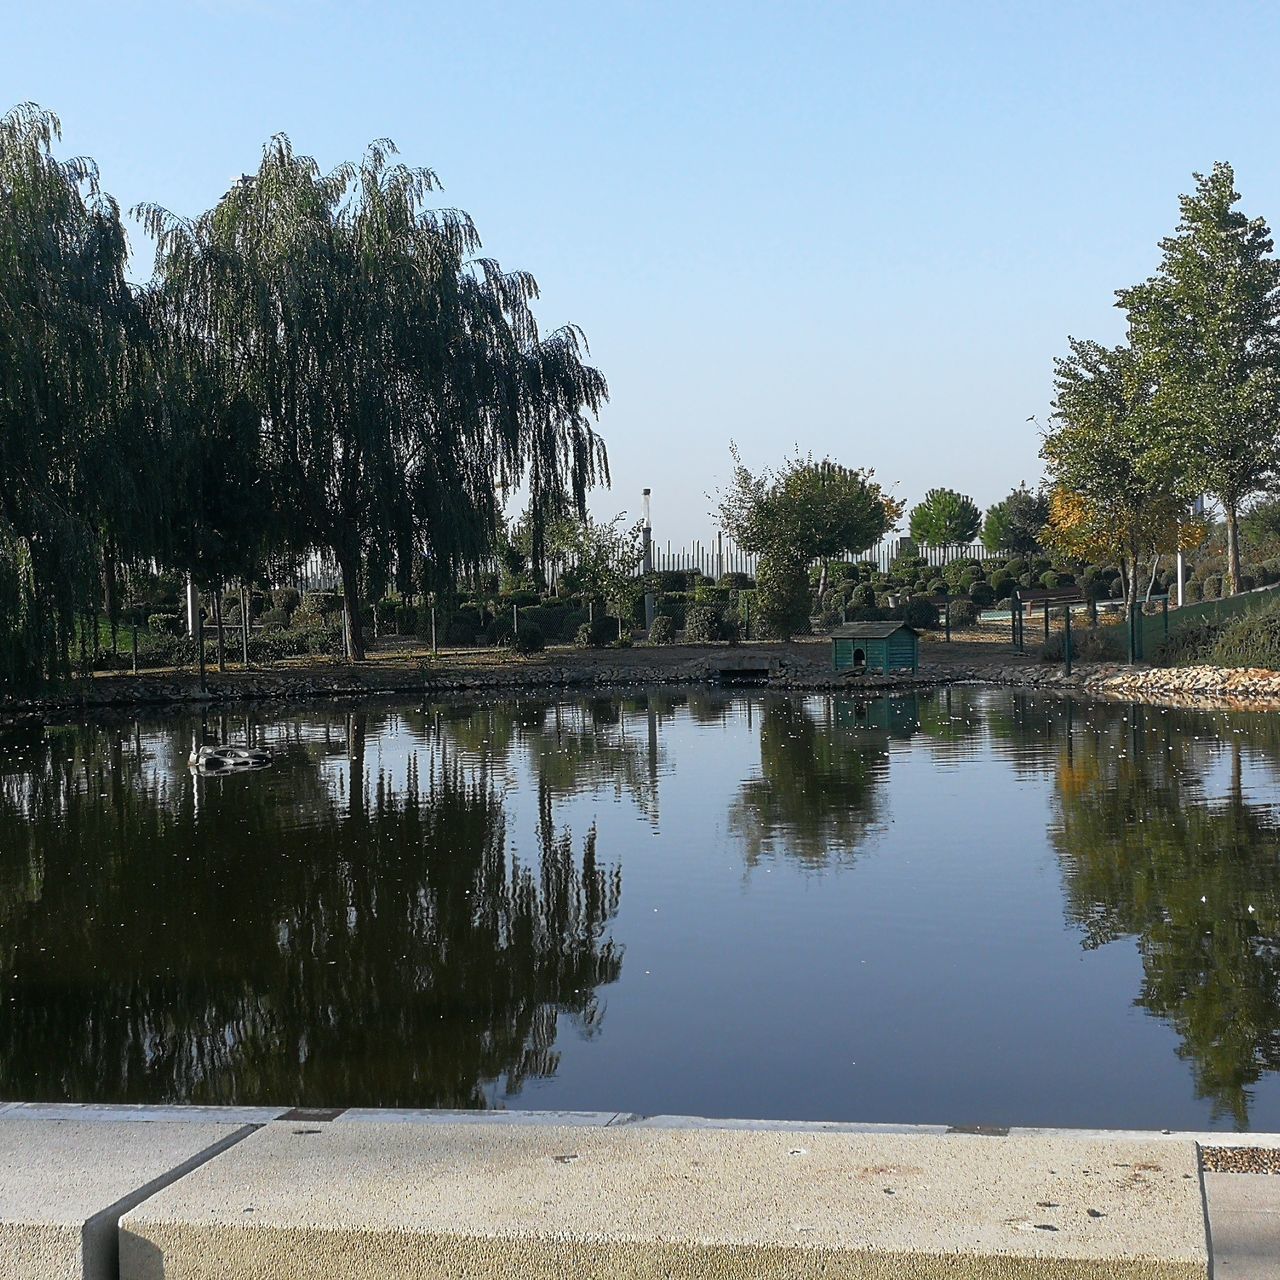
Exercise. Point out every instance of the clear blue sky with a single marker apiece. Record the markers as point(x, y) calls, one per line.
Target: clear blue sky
point(863, 228)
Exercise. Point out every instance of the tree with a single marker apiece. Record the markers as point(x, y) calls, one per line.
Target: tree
point(76, 454)
point(602, 556)
point(1206, 327)
point(1115, 493)
point(806, 511)
point(400, 383)
point(945, 518)
point(1015, 523)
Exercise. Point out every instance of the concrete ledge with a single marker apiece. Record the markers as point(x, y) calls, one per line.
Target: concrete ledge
point(430, 1202)
point(65, 1183)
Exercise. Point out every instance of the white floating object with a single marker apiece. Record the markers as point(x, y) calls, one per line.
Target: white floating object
point(230, 759)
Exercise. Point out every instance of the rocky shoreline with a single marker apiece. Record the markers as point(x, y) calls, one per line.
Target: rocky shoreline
point(1180, 686)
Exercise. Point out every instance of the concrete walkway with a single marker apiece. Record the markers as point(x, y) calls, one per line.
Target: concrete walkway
point(197, 1193)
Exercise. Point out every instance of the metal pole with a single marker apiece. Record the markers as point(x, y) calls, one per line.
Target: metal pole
point(433, 629)
point(1013, 618)
point(1179, 568)
point(1044, 604)
point(946, 619)
point(1066, 643)
point(1165, 610)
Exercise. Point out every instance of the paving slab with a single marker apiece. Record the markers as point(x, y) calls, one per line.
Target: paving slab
point(65, 1183)
point(531, 1202)
point(1244, 1224)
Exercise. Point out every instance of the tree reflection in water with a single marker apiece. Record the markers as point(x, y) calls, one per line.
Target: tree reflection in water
point(1160, 840)
point(170, 939)
point(815, 797)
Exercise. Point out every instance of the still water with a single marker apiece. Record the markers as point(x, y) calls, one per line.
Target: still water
point(973, 906)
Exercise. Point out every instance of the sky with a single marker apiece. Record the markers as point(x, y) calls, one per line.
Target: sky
point(863, 230)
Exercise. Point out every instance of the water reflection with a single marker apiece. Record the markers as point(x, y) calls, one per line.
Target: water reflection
point(165, 941)
point(423, 905)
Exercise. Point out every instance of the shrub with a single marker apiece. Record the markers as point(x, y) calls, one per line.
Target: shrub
point(1002, 583)
point(529, 638)
point(921, 614)
point(937, 587)
point(1211, 586)
point(869, 613)
point(862, 596)
point(826, 621)
point(286, 598)
point(405, 619)
point(1049, 580)
point(1250, 640)
point(165, 624)
point(274, 619)
point(782, 598)
point(964, 613)
point(738, 581)
point(1026, 580)
point(1190, 644)
point(663, 630)
point(296, 642)
point(983, 596)
point(597, 634)
point(1016, 567)
point(1088, 644)
point(1190, 590)
point(320, 603)
point(841, 570)
point(702, 624)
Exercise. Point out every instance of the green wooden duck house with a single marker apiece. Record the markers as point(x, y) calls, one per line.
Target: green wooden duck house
point(875, 646)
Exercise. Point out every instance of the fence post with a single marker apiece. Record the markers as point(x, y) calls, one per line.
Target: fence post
point(1013, 618)
point(1066, 643)
point(1166, 616)
point(1133, 632)
point(946, 619)
point(1044, 604)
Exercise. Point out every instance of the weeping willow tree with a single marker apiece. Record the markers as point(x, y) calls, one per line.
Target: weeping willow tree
point(398, 382)
point(74, 499)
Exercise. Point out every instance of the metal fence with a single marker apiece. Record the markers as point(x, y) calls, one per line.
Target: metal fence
point(718, 555)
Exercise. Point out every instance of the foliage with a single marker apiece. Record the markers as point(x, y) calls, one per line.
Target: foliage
point(1015, 523)
point(1116, 492)
point(704, 624)
point(1206, 327)
point(964, 613)
point(528, 638)
point(396, 383)
point(945, 518)
point(663, 630)
point(921, 614)
point(806, 510)
point(1088, 644)
point(604, 557)
point(781, 598)
point(597, 634)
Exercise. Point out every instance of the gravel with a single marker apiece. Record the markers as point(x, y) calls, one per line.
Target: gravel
point(1240, 1159)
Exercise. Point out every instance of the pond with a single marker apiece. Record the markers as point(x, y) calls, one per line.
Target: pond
point(965, 906)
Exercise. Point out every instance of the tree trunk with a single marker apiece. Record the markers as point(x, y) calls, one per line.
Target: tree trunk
point(1131, 587)
point(217, 621)
point(1232, 584)
point(244, 624)
point(351, 607)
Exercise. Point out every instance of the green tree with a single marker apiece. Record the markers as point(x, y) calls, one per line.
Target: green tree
point(1206, 327)
point(76, 449)
point(1117, 490)
point(806, 510)
point(400, 382)
point(603, 557)
point(1015, 523)
point(945, 518)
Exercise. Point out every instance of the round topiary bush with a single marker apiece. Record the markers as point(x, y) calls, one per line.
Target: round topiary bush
point(983, 595)
point(863, 596)
point(663, 630)
point(921, 614)
point(597, 634)
point(1211, 586)
point(286, 598)
point(1016, 567)
point(964, 612)
point(165, 624)
point(529, 638)
point(274, 620)
point(702, 624)
point(1049, 580)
